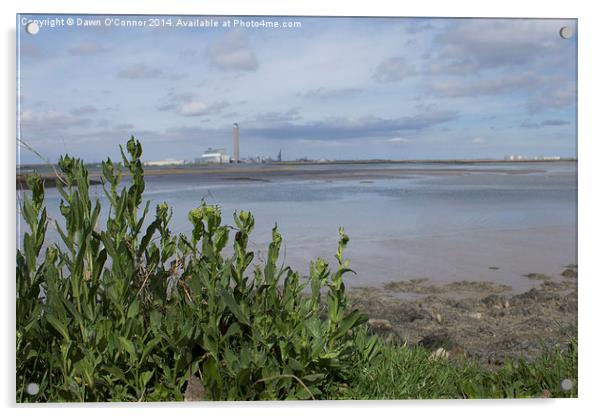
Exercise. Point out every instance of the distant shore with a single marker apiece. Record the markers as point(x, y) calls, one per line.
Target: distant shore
point(336, 170)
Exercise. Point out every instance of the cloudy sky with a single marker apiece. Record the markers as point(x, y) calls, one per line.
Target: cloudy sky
point(337, 88)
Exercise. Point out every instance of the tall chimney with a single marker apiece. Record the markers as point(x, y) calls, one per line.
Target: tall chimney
point(236, 155)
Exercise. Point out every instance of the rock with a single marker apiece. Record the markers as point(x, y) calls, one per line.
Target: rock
point(194, 390)
point(537, 295)
point(569, 306)
point(464, 286)
point(380, 324)
point(570, 273)
point(409, 313)
point(476, 315)
point(439, 338)
point(461, 304)
point(439, 354)
point(537, 276)
point(494, 301)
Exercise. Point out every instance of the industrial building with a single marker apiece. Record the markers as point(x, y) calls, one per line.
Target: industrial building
point(214, 156)
point(219, 155)
point(164, 162)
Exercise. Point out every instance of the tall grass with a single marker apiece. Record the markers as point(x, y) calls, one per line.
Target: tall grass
point(413, 373)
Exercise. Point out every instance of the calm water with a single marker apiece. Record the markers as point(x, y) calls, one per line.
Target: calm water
point(443, 227)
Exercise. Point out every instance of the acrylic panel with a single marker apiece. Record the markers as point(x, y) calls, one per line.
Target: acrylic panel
point(289, 207)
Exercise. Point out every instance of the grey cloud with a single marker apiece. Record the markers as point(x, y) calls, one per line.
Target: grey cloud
point(494, 43)
point(190, 56)
point(140, 71)
point(484, 86)
point(554, 123)
point(558, 97)
point(393, 69)
point(462, 67)
point(88, 48)
point(232, 53)
point(123, 126)
point(329, 129)
point(345, 128)
point(278, 116)
point(230, 115)
point(328, 93)
point(33, 51)
point(200, 108)
point(42, 122)
point(83, 110)
point(530, 125)
point(167, 107)
point(545, 123)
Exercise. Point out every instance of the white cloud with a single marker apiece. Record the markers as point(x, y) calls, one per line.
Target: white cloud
point(233, 53)
point(393, 69)
point(479, 140)
point(398, 140)
point(200, 108)
point(140, 71)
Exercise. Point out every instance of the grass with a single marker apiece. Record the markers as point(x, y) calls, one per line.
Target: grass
point(411, 373)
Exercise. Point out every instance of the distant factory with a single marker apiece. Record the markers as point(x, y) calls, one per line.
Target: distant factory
point(213, 156)
point(219, 155)
point(164, 162)
point(516, 158)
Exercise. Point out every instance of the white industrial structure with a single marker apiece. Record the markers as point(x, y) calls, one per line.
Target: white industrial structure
point(214, 156)
point(164, 162)
point(235, 150)
point(526, 158)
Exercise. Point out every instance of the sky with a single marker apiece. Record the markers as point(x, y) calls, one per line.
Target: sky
point(332, 88)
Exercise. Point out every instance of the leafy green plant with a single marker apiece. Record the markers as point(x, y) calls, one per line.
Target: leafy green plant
point(121, 309)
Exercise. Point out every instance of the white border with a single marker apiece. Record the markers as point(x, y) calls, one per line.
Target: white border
point(589, 188)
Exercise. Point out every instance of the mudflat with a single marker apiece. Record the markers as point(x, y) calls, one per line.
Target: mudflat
point(480, 320)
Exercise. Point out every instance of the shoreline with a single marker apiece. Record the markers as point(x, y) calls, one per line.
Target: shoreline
point(491, 324)
point(301, 171)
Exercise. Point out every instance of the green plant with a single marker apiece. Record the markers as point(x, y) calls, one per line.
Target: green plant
point(126, 310)
point(410, 372)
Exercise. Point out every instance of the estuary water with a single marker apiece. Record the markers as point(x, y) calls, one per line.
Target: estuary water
point(444, 222)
